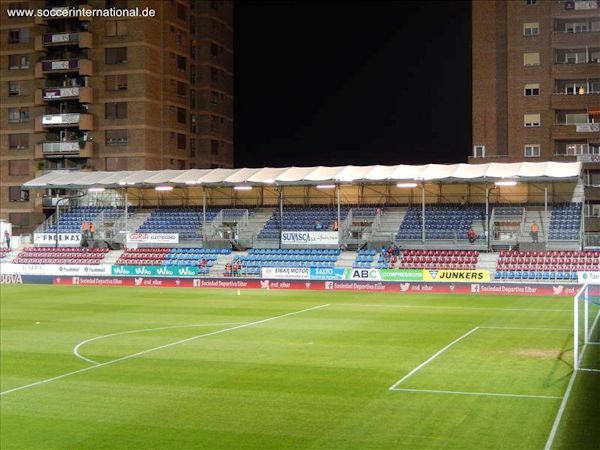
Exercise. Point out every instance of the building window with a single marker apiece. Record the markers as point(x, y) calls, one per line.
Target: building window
point(16, 194)
point(572, 117)
point(16, 62)
point(19, 167)
point(192, 98)
point(181, 12)
point(116, 137)
point(214, 147)
point(17, 6)
point(116, 55)
point(20, 36)
point(18, 115)
point(116, 82)
point(181, 141)
point(214, 97)
point(181, 63)
point(531, 29)
point(530, 2)
point(116, 110)
point(181, 89)
point(532, 151)
point(531, 59)
point(479, 151)
point(532, 89)
point(116, 28)
point(117, 4)
point(181, 115)
point(192, 148)
point(531, 120)
point(18, 141)
point(14, 88)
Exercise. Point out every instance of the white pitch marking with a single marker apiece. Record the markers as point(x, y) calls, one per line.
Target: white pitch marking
point(97, 338)
point(124, 358)
point(588, 370)
point(452, 307)
point(525, 328)
point(420, 366)
point(565, 400)
point(487, 394)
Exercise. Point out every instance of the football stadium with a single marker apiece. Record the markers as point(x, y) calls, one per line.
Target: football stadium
point(273, 225)
point(433, 306)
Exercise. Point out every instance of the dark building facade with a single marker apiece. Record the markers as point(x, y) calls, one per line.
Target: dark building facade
point(120, 92)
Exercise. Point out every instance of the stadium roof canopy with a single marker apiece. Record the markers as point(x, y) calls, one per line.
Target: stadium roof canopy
point(268, 176)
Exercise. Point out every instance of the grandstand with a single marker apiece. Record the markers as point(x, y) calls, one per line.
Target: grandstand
point(262, 215)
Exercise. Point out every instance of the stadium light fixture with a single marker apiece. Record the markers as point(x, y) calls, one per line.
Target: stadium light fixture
point(269, 181)
point(96, 189)
point(163, 188)
point(325, 186)
point(406, 185)
point(506, 183)
point(242, 188)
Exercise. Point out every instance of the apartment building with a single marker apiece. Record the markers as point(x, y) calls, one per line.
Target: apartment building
point(536, 85)
point(111, 92)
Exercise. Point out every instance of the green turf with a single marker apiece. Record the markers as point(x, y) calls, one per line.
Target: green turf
point(318, 379)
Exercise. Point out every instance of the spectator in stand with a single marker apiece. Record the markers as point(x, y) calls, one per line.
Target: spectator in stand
point(471, 235)
point(535, 229)
point(395, 251)
point(203, 262)
point(335, 226)
point(92, 230)
point(318, 225)
point(236, 268)
point(227, 270)
point(85, 228)
point(7, 239)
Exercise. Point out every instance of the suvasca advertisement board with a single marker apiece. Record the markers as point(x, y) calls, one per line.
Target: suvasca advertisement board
point(310, 238)
point(152, 238)
point(63, 238)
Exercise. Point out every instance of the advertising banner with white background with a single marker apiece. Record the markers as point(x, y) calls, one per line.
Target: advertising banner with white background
point(54, 269)
point(312, 238)
point(152, 238)
point(588, 277)
point(63, 238)
point(286, 273)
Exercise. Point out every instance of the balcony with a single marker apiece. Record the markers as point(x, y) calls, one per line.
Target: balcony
point(574, 8)
point(576, 131)
point(83, 39)
point(582, 39)
point(65, 12)
point(83, 94)
point(565, 101)
point(60, 149)
point(83, 121)
point(81, 66)
point(583, 70)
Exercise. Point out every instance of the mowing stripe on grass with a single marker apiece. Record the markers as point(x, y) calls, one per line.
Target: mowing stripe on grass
point(133, 355)
point(97, 338)
point(487, 394)
point(453, 307)
point(420, 366)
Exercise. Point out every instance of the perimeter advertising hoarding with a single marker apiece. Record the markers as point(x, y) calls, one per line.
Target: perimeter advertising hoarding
point(155, 271)
point(152, 238)
point(457, 276)
point(588, 277)
point(303, 273)
point(54, 269)
point(63, 238)
point(384, 274)
point(521, 289)
point(309, 238)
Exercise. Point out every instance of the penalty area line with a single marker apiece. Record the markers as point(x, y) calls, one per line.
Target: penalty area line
point(486, 394)
point(438, 353)
point(133, 355)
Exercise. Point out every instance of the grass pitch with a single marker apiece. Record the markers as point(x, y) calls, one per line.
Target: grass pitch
point(191, 368)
